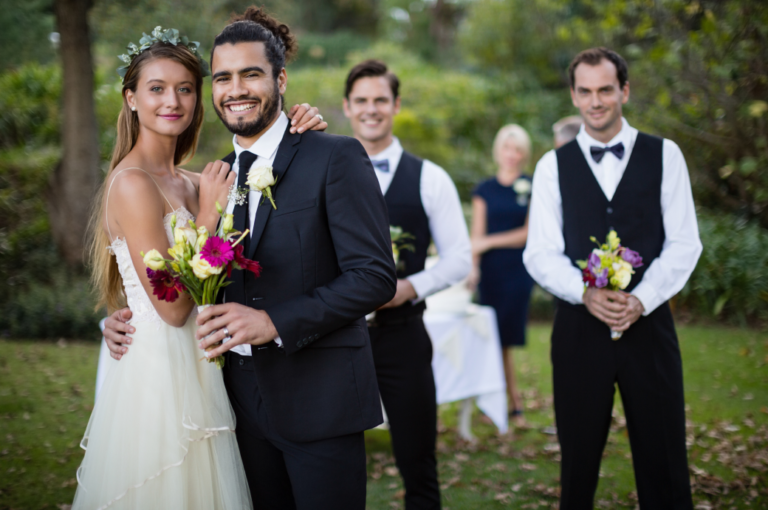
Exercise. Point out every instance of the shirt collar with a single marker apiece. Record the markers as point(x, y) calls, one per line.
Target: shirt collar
point(622, 136)
point(391, 151)
point(266, 146)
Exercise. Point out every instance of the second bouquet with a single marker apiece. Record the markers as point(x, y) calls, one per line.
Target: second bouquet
point(200, 264)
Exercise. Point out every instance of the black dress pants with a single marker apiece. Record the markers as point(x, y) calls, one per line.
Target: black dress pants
point(645, 363)
point(403, 358)
point(328, 474)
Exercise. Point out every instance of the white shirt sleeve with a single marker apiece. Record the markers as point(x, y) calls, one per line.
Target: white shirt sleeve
point(449, 233)
point(667, 275)
point(544, 256)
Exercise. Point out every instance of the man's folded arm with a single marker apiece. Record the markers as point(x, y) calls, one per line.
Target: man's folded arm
point(359, 227)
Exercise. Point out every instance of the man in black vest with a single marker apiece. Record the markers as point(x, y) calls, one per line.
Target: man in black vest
point(612, 176)
point(422, 200)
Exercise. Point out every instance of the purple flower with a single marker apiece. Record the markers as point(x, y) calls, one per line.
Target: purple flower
point(602, 279)
point(594, 262)
point(632, 257)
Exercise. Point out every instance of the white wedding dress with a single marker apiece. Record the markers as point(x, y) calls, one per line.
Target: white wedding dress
point(161, 435)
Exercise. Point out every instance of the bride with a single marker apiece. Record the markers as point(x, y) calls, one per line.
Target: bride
point(161, 434)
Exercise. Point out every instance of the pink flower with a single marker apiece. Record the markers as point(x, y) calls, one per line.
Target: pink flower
point(217, 252)
point(164, 285)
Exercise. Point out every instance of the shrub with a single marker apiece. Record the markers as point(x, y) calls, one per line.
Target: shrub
point(61, 308)
point(731, 278)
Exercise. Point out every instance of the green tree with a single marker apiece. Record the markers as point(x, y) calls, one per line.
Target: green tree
point(25, 30)
point(698, 70)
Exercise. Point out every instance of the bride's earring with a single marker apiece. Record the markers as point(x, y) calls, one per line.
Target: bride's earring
point(133, 108)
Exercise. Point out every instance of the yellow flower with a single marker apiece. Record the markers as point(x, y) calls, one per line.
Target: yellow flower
point(202, 237)
point(177, 251)
point(622, 274)
point(613, 240)
point(202, 268)
point(154, 260)
point(228, 223)
point(185, 234)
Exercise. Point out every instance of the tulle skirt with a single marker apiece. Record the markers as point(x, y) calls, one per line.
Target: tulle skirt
point(161, 435)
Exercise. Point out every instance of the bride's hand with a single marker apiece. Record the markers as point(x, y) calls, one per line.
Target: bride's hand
point(215, 182)
point(305, 118)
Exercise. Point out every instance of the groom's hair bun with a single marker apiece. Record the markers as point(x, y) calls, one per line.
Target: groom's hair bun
point(255, 25)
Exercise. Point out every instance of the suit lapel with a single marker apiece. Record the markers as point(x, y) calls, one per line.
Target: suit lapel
point(229, 159)
point(285, 153)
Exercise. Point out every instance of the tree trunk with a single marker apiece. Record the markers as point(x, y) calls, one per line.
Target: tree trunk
point(74, 182)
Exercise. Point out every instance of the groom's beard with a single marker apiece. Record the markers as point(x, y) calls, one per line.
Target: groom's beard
point(269, 107)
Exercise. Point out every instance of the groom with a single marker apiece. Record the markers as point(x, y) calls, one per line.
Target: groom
point(299, 368)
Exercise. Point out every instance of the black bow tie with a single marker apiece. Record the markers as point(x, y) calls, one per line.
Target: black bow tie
point(599, 152)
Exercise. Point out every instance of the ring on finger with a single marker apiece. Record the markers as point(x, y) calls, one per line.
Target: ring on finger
point(227, 334)
point(319, 117)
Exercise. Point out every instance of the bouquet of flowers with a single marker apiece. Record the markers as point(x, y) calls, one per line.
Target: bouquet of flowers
point(200, 264)
point(610, 266)
point(401, 241)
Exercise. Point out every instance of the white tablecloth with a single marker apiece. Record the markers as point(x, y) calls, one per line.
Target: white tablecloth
point(467, 353)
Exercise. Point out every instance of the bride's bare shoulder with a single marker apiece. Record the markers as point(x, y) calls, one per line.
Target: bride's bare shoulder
point(194, 177)
point(133, 186)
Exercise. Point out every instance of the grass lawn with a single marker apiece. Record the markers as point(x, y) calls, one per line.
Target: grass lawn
point(46, 395)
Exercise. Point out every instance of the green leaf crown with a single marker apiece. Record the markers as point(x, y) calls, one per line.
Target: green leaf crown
point(168, 35)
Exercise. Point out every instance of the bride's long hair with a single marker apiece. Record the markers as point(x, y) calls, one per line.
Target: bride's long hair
point(104, 273)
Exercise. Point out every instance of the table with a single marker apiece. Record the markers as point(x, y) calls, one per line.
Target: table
point(467, 360)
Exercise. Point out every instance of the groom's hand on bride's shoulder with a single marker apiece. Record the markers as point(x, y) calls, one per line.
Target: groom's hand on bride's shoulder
point(243, 324)
point(306, 118)
point(116, 331)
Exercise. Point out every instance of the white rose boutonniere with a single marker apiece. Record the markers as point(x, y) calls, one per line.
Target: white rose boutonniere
point(522, 186)
point(523, 189)
point(262, 179)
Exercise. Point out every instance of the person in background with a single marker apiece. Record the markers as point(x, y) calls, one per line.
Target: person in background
point(614, 177)
point(423, 201)
point(499, 232)
point(566, 129)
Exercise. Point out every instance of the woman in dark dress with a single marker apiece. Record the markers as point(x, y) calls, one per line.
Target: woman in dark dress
point(499, 232)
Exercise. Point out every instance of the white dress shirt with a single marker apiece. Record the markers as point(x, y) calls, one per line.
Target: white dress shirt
point(446, 223)
point(266, 150)
point(544, 256)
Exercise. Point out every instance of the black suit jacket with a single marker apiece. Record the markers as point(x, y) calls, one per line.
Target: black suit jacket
point(327, 261)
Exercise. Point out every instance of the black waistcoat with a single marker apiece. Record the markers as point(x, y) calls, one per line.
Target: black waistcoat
point(634, 211)
point(407, 212)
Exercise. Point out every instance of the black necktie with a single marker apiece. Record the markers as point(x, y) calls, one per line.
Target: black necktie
point(241, 211)
point(599, 152)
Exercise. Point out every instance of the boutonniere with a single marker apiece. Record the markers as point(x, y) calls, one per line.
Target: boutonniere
point(237, 195)
point(262, 179)
point(523, 188)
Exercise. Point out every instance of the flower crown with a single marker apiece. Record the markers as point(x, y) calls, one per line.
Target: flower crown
point(170, 36)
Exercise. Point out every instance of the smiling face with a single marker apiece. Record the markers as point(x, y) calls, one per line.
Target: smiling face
point(598, 96)
point(246, 93)
point(371, 108)
point(164, 98)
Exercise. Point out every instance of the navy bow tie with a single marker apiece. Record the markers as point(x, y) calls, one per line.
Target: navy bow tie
point(381, 166)
point(599, 152)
